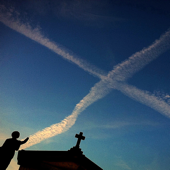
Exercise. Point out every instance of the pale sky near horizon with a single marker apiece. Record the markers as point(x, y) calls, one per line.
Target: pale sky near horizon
point(99, 67)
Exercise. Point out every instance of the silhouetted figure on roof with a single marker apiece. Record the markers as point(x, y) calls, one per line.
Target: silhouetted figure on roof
point(8, 149)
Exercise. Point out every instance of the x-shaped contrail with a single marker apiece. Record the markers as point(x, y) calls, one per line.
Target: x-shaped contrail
point(115, 79)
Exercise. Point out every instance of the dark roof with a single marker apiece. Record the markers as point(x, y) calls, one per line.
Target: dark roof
point(72, 159)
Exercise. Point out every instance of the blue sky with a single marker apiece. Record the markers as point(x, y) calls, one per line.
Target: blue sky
point(99, 67)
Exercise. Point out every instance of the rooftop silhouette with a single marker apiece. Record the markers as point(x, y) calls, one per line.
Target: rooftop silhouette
point(73, 159)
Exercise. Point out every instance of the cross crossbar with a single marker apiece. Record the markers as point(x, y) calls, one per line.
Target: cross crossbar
point(80, 137)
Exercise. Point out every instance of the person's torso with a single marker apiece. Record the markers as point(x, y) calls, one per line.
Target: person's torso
point(11, 145)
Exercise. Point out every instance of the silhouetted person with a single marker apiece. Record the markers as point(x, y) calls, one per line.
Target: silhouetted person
point(8, 149)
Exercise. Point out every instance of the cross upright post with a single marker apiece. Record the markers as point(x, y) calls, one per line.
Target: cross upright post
point(80, 137)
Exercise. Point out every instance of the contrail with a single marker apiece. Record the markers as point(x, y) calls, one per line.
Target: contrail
point(115, 79)
point(145, 98)
point(97, 92)
point(103, 87)
point(121, 72)
point(34, 34)
point(136, 62)
point(51, 131)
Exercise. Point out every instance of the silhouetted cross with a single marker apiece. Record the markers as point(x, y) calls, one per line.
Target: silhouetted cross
point(80, 137)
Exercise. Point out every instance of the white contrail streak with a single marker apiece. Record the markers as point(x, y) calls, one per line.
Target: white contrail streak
point(145, 98)
point(103, 87)
point(35, 34)
point(97, 92)
point(115, 79)
point(136, 62)
point(51, 131)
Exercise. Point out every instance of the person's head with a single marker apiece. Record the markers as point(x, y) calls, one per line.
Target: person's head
point(15, 134)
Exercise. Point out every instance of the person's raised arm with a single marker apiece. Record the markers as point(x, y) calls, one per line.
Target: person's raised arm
point(24, 141)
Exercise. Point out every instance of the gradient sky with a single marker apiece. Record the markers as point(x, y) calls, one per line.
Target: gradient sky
point(95, 66)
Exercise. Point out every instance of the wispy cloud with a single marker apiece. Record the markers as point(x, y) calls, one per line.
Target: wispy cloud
point(122, 164)
point(118, 124)
point(85, 12)
point(115, 79)
point(121, 124)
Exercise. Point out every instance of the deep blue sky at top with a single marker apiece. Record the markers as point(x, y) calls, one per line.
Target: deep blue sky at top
point(38, 88)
